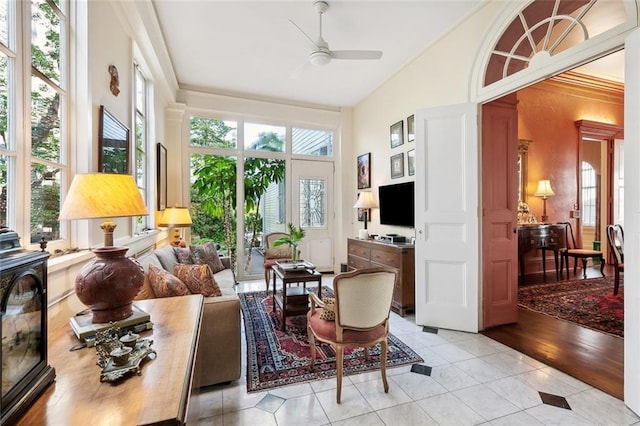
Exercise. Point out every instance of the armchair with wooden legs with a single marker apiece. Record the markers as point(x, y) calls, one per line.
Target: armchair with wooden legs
point(362, 306)
point(273, 254)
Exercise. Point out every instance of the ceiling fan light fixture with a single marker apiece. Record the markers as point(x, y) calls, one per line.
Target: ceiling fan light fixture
point(319, 58)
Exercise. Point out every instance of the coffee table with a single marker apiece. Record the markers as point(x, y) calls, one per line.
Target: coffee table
point(294, 300)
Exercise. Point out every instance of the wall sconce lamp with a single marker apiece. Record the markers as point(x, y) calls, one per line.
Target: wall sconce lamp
point(176, 218)
point(108, 283)
point(366, 202)
point(544, 190)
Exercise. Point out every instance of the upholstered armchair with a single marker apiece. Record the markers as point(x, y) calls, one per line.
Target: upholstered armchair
point(273, 254)
point(615, 238)
point(361, 311)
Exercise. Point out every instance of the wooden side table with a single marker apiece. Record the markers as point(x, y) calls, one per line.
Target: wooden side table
point(159, 395)
point(294, 300)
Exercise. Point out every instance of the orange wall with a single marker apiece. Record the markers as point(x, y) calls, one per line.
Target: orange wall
point(547, 112)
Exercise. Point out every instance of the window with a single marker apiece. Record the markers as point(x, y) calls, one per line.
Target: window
point(312, 142)
point(142, 141)
point(262, 137)
point(589, 194)
point(34, 137)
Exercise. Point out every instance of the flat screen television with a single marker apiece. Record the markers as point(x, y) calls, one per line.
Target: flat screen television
point(397, 204)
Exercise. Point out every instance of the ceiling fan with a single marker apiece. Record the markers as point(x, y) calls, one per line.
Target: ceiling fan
point(321, 54)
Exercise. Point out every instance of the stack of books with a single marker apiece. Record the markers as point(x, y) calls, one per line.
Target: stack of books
point(85, 330)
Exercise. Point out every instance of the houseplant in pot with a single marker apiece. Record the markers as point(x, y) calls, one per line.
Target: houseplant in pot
point(296, 234)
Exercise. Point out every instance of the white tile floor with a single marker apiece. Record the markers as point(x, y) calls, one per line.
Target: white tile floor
point(474, 380)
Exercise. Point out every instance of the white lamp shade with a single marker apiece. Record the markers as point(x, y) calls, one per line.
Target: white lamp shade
point(544, 189)
point(365, 201)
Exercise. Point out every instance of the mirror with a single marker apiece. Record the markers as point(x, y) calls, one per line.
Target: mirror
point(523, 152)
point(113, 144)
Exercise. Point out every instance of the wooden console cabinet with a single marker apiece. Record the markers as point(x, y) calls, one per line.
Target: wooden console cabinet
point(401, 257)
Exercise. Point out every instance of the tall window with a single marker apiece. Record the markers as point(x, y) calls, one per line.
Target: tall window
point(142, 142)
point(33, 115)
point(589, 194)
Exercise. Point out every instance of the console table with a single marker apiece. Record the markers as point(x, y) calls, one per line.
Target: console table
point(541, 237)
point(401, 257)
point(160, 395)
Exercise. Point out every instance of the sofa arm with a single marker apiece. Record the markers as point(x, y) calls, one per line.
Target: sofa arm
point(219, 349)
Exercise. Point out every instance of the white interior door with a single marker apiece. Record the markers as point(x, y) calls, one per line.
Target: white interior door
point(312, 209)
point(446, 210)
point(632, 221)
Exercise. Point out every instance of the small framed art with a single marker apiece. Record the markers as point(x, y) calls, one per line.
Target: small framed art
point(161, 168)
point(411, 162)
point(411, 128)
point(397, 165)
point(364, 171)
point(397, 134)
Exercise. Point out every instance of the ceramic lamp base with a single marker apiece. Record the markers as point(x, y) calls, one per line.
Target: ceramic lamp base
point(363, 234)
point(109, 283)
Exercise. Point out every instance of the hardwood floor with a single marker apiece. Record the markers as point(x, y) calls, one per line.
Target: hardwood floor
point(593, 357)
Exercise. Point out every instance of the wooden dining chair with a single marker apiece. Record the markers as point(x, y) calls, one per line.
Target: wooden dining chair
point(615, 238)
point(570, 250)
point(361, 312)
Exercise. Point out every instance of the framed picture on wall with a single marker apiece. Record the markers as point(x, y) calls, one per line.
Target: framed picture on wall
point(411, 162)
point(397, 165)
point(113, 144)
point(361, 213)
point(161, 184)
point(397, 134)
point(411, 128)
point(364, 171)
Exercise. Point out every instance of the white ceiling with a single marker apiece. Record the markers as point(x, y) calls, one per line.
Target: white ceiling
point(251, 48)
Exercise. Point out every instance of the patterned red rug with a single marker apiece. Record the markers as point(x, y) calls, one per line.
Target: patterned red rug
point(276, 358)
point(589, 302)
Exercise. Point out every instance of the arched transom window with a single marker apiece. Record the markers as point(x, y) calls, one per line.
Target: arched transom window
point(545, 28)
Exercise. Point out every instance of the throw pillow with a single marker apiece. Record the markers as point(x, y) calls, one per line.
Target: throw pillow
point(165, 284)
point(326, 314)
point(206, 254)
point(280, 252)
point(183, 255)
point(198, 278)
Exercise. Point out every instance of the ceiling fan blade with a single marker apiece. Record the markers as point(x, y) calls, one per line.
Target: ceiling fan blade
point(302, 31)
point(356, 54)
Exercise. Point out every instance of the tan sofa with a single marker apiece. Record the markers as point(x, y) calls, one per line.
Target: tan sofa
point(218, 357)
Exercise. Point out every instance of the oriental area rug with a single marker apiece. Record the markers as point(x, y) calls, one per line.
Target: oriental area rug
point(276, 358)
point(587, 302)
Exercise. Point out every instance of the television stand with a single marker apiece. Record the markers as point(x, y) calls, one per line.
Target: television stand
point(369, 254)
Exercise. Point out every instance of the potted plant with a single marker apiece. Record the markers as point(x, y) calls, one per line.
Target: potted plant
point(293, 239)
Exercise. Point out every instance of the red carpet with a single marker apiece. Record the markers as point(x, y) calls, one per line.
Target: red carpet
point(589, 303)
point(276, 358)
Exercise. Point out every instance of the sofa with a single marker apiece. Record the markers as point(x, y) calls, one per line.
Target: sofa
point(219, 348)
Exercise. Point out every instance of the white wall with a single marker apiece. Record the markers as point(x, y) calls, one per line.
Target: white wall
point(439, 76)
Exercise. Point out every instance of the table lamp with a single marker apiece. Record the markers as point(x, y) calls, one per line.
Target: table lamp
point(176, 218)
point(109, 283)
point(544, 190)
point(366, 202)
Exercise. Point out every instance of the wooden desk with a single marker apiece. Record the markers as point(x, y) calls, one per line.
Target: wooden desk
point(541, 237)
point(159, 395)
point(295, 301)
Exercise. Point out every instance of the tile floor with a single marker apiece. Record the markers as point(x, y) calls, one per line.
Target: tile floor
point(474, 380)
